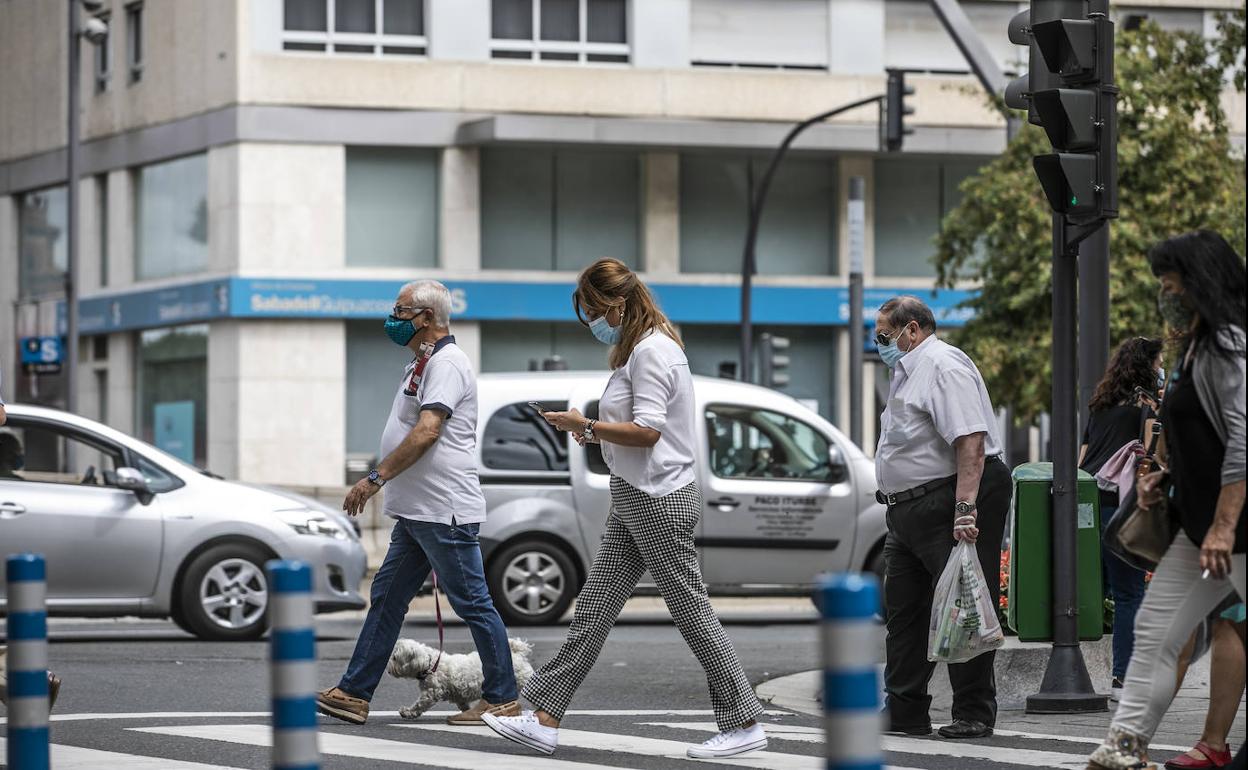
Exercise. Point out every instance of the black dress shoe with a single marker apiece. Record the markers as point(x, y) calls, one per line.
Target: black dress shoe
point(891, 727)
point(965, 729)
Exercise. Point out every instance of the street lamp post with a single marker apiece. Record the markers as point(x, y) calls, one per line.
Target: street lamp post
point(95, 31)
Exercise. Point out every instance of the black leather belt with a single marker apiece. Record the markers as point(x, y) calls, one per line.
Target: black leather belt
point(914, 492)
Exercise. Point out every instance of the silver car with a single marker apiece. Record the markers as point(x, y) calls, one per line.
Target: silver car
point(787, 495)
point(130, 530)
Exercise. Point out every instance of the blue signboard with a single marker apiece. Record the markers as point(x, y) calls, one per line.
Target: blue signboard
point(42, 355)
point(481, 300)
point(174, 423)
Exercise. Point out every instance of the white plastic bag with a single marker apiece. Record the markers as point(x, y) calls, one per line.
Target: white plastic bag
point(964, 622)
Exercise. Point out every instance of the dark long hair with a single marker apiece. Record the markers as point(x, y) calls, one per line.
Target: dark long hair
point(1213, 281)
point(1132, 366)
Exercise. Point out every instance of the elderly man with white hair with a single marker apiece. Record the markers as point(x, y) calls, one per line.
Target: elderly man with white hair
point(432, 490)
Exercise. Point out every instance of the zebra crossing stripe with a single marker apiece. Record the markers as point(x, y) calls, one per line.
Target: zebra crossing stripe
point(650, 747)
point(79, 757)
point(359, 747)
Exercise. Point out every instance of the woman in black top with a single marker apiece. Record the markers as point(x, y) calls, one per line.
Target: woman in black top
point(1117, 415)
point(1202, 299)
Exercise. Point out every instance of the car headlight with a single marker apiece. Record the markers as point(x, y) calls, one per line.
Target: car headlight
point(312, 523)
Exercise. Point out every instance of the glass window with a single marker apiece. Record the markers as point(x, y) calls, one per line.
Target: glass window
point(374, 370)
point(42, 245)
point(158, 479)
point(103, 56)
point(558, 210)
point(370, 27)
point(518, 439)
point(776, 34)
point(797, 234)
point(518, 346)
point(41, 452)
point(173, 391)
point(134, 41)
point(560, 30)
point(392, 207)
point(911, 199)
point(749, 443)
point(172, 232)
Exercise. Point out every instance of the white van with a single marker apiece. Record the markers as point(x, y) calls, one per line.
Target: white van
point(787, 495)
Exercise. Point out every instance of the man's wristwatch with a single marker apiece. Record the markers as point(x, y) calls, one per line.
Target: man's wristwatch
point(587, 432)
point(964, 508)
point(376, 478)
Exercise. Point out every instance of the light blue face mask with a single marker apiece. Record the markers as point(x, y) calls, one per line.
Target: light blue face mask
point(1161, 378)
point(605, 332)
point(890, 354)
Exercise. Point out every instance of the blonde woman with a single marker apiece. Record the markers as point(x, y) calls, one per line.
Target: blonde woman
point(646, 430)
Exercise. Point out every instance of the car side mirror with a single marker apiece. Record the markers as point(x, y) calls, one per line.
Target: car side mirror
point(838, 468)
point(131, 480)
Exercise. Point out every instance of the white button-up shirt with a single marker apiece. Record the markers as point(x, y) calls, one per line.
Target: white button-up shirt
point(654, 390)
point(937, 396)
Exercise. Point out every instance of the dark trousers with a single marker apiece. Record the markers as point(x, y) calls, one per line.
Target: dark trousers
point(920, 539)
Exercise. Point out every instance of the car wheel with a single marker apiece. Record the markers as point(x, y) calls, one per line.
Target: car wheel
point(533, 583)
point(225, 595)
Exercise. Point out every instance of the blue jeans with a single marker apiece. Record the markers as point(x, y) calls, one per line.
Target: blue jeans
point(1126, 587)
point(453, 552)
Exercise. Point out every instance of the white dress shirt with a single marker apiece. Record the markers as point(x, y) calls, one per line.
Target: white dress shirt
point(653, 389)
point(936, 396)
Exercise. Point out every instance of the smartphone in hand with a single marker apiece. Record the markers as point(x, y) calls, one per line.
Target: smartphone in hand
point(538, 407)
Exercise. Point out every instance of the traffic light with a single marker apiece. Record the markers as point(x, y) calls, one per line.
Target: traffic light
point(896, 110)
point(775, 361)
point(1069, 92)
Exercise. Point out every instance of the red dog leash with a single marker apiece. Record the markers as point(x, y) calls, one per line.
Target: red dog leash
point(437, 607)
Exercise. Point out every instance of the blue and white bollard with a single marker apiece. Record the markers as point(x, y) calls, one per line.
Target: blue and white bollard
point(851, 687)
point(27, 628)
point(293, 666)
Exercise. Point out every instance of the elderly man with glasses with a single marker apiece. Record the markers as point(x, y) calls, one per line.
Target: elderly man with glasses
point(432, 491)
point(939, 470)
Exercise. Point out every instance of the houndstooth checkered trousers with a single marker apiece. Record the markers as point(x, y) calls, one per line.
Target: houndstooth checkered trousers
point(654, 533)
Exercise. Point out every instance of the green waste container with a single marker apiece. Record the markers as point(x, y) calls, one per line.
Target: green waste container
point(1030, 612)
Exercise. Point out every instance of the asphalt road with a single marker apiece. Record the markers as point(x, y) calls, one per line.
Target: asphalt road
point(156, 698)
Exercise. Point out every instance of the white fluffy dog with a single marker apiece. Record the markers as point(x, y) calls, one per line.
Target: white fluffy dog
point(458, 678)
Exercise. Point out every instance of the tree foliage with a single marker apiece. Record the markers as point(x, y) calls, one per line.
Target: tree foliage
point(1177, 171)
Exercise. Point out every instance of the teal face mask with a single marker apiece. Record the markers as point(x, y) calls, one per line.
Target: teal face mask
point(605, 332)
point(400, 330)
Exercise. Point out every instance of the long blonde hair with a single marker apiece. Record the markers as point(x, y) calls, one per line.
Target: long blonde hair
point(609, 283)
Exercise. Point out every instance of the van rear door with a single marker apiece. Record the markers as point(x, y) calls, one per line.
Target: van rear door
point(779, 498)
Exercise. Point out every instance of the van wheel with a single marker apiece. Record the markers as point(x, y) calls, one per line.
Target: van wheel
point(225, 594)
point(533, 583)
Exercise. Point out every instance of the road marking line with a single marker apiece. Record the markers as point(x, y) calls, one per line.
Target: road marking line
point(650, 747)
point(79, 758)
point(265, 714)
point(357, 747)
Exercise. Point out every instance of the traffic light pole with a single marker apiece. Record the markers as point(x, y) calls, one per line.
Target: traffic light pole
point(748, 264)
point(857, 245)
point(1067, 687)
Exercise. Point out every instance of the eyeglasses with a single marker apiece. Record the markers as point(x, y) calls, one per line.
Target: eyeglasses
point(413, 309)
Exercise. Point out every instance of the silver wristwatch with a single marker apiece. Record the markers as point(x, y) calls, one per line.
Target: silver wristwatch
point(587, 432)
point(964, 508)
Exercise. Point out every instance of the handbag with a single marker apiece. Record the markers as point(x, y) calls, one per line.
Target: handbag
point(1141, 536)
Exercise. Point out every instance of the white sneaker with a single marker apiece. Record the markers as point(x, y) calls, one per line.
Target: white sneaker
point(525, 730)
point(730, 743)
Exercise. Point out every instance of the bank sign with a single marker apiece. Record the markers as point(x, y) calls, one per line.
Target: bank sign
point(477, 301)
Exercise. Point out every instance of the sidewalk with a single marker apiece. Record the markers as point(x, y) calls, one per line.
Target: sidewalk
point(1019, 669)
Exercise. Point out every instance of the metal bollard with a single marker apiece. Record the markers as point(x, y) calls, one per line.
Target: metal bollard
point(851, 687)
point(293, 666)
point(27, 628)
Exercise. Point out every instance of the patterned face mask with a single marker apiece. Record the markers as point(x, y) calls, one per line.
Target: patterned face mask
point(1174, 310)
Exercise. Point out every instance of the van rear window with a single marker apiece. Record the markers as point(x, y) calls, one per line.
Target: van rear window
point(518, 439)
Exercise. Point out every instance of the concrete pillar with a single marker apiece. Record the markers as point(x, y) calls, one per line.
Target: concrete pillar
point(121, 382)
point(840, 410)
point(460, 29)
point(856, 37)
point(8, 296)
point(276, 391)
point(121, 223)
point(659, 32)
point(468, 338)
point(660, 179)
point(459, 214)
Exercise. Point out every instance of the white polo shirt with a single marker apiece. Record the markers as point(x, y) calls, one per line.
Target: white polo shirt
point(653, 389)
point(443, 485)
point(936, 396)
